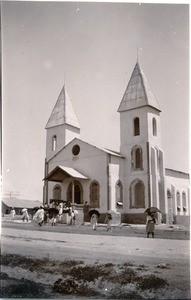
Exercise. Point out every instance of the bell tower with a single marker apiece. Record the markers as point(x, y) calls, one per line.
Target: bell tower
point(62, 126)
point(140, 143)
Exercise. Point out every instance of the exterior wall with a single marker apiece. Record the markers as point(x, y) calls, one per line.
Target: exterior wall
point(177, 182)
point(116, 171)
point(152, 172)
point(64, 133)
point(91, 162)
point(145, 115)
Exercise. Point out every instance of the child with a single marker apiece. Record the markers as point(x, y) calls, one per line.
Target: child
point(108, 221)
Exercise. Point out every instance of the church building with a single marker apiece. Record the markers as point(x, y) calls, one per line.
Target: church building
point(126, 182)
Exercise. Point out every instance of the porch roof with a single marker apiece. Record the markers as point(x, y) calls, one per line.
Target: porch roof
point(60, 173)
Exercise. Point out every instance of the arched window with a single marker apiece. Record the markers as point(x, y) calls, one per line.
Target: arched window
point(169, 195)
point(94, 194)
point(136, 126)
point(54, 143)
point(78, 192)
point(178, 202)
point(57, 192)
point(137, 194)
point(184, 202)
point(154, 127)
point(136, 158)
point(119, 193)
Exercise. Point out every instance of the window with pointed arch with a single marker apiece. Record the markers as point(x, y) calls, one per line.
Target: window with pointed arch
point(154, 127)
point(184, 205)
point(178, 203)
point(136, 158)
point(95, 194)
point(57, 192)
point(119, 193)
point(54, 142)
point(137, 194)
point(136, 126)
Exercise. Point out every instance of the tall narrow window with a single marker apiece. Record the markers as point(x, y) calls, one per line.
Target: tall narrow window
point(94, 194)
point(54, 143)
point(154, 127)
point(178, 202)
point(136, 126)
point(136, 158)
point(184, 202)
point(57, 192)
point(119, 193)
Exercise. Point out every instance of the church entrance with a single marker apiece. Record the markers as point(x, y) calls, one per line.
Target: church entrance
point(78, 192)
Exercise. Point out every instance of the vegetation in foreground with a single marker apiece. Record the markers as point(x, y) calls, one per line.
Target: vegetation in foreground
point(109, 281)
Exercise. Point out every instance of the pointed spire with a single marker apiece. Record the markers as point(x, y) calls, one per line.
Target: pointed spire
point(63, 112)
point(138, 92)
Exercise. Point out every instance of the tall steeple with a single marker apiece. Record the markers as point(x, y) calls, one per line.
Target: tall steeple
point(63, 112)
point(62, 126)
point(140, 143)
point(138, 92)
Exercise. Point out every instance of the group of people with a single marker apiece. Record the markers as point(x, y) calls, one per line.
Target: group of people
point(40, 217)
point(150, 223)
point(94, 221)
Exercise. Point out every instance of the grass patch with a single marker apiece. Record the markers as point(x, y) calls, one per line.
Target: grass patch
point(151, 282)
point(88, 273)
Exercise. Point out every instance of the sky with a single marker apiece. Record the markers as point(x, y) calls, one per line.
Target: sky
point(92, 48)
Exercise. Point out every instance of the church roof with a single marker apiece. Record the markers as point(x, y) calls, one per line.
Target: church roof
point(63, 112)
point(59, 173)
point(138, 92)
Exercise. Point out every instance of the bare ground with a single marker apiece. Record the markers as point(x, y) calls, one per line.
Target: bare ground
point(75, 262)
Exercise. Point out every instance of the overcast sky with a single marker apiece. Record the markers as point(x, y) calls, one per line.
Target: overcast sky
point(92, 47)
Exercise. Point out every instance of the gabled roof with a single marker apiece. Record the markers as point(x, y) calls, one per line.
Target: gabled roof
point(59, 173)
point(63, 112)
point(21, 203)
point(114, 153)
point(138, 92)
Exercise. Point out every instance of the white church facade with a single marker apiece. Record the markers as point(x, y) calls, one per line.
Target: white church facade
point(126, 182)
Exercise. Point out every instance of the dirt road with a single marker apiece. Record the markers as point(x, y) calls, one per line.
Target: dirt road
point(94, 248)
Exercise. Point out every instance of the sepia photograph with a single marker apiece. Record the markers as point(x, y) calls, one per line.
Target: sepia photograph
point(95, 193)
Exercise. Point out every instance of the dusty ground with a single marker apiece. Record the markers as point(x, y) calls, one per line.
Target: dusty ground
point(77, 262)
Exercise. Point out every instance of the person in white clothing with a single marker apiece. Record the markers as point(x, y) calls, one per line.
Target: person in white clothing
point(94, 219)
point(39, 216)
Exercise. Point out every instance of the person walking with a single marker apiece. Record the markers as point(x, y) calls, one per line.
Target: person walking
point(93, 221)
point(150, 224)
point(39, 216)
point(25, 215)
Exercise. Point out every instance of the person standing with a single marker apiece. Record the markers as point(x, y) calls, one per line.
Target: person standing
point(12, 213)
point(85, 212)
point(39, 216)
point(150, 224)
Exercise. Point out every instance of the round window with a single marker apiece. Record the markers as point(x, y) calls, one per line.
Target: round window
point(76, 150)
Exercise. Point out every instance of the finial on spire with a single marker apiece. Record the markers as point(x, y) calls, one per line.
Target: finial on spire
point(65, 79)
point(137, 53)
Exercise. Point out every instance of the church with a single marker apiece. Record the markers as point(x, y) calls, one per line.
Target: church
point(126, 182)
